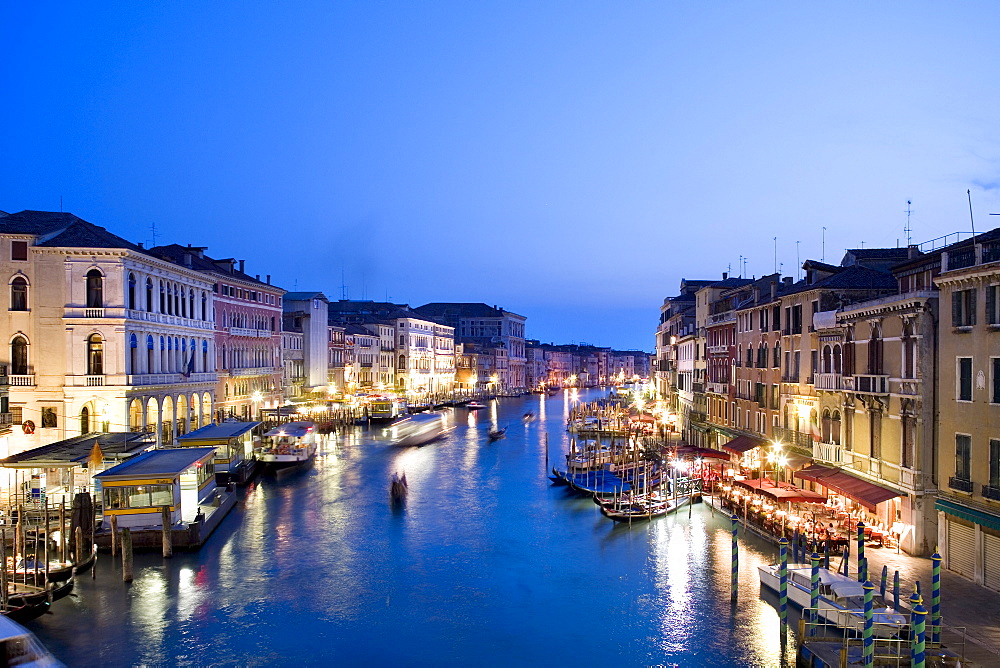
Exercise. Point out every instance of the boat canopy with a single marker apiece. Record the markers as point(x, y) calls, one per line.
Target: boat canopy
point(292, 429)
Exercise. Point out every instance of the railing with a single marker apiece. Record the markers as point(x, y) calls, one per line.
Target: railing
point(163, 318)
point(253, 333)
point(94, 313)
point(253, 371)
point(829, 381)
point(871, 384)
point(718, 388)
point(991, 252)
point(828, 452)
point(94, 381)
point(992, 493)
point(697, 416)
point(717, 318)
point(960, 259)
point(6, 418)
point(22, 380)
point(960, 484)
point(908, 386)
point(793, 437)
point(170, 378)
point(716, 350)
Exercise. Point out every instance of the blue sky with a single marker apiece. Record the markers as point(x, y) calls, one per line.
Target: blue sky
point(568, 161)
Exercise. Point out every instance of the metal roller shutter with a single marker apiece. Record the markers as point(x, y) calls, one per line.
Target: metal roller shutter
point(961, 549)
point(991, 560)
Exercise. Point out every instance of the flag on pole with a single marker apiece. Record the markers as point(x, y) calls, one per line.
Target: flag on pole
point(190, 366)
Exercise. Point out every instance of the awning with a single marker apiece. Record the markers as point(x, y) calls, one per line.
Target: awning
point(795, 460)
point(866, 493)
point(966, 513)
point(781, 491)
point(741, 444)
point(695, 451)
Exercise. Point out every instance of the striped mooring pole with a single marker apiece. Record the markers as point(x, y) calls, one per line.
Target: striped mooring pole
point(736, 555)
point(895, 591)
point(783, 583)
point(862, 575)
point(918, 637)
point(885, 580)
point(936, 599)
point(868, 649)
point(814, 594)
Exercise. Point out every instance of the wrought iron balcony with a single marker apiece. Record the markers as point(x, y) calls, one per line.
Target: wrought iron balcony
point(960, 484)
point(992, 493)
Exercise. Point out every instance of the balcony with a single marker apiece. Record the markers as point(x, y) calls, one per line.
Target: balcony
point(829, 381)
point(871, 384)
point(97, 380)
point(6, 419)
point(22, 380)
point(991, 493)
point(252, 371)
point(828, 452)
point(717, 388)
point(960, 485)
point(907, 386)
point(251, 333)
point(161, 318)
point(170, 378)
point(718, 350)
point(793, 437)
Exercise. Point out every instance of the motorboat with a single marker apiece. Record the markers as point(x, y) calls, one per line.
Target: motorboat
point(386, 408)
point(21, 648)
point(288, 446)
point(497, 434)
point(528, 417)
point(841, 599)
point(475, 405)
point(419, 429)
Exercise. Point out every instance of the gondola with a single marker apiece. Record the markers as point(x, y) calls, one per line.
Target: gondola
point(35, 595)
point(497, 434)
point(64, 571)
point(398, 489)
point(27, 611)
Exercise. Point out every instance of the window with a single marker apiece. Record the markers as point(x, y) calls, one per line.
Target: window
point(15, 414)
point(993, 305)
point(138, 496)
point(908, 425)
point(965, 379)
point(994, 463)
point(19, 250)
point(963, 457)
point(996, 380)
point(131, 291)
point(95, 355)
point(149, 294)
point(163, 298)
point(835, 428)
point(963, 308)
point(19, 356)
point(19, 294)
point(84, 420)
point(95, 289)
point(875, 351)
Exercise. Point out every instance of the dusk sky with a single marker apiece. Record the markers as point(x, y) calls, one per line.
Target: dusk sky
point(567, 161)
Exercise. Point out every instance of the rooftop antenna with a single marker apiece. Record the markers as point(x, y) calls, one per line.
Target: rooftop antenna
point(908, 229)
point(152, 227)
point(798, 261)
point(744, 267)
point(971, 219)
point(343, 286)
point(823, 247)
point(60, 204)
point(776, 254)
point(741, 266)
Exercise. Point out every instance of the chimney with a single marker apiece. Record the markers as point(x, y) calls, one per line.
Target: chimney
point(787, 280)
point(725, 275)
point(774, 289)
point(257, 276)
point(186, 259)
point(911, 252)
point(269, 279)
point(756, 294)
point(141, 246)
point(242, 263)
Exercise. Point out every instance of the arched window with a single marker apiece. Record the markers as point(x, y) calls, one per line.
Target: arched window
point(776, 362)
point(178, 298)
point(84, 420)
point(835, 428)
point(836, 359)
point(750, 355)
point(827, 359)
point(849, 353)
point(95, 355)
point(204, 306)
point(170, 299)
point(150, 354)
point(875, 351)
point(909, 365)
point(204, 356)
point(402, 362)
point(149, 294)
point(163, 298)
point(131, 291)
point(95, 289)
point(19, 294)
point(19, 356)
point(191, 304)
point(827, 426)
point(133, 353)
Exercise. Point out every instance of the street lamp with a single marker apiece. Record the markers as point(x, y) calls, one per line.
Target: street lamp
point(777, 459)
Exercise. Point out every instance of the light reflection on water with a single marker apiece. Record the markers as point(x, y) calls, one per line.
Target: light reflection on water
point(486, 564)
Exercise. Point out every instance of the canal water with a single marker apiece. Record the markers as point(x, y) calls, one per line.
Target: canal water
point(487, 564)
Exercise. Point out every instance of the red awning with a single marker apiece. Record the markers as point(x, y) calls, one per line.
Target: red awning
point(695, 451)
point(866, 493)
point(741, 444)
point(782, 491)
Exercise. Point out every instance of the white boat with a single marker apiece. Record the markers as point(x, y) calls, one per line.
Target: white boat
point(21, 647)
point(418, 429)
point(841, 599)
point(475, 406)
point(288, 446)
point(386, 408)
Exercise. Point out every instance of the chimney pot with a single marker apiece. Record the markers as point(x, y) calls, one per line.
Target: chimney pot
point(242, 264)
point(141, 246)
point(269, 279)
point(774, 289)
point(787, 280)
point(257, 276)
point(725, 275)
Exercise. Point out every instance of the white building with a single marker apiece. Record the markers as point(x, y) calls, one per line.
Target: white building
point(101, 335)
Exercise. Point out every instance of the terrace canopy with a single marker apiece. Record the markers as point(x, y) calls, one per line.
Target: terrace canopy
point(868, 494)
point(781, 491)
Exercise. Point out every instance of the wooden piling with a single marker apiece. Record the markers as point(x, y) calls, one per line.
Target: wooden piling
point(63, 538)
point(168, 543)
point(126, 555)
point(80, 554)
point(114, 535)
point(3, 571)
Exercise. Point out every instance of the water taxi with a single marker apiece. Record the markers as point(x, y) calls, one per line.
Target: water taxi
point(419, 429)
point(288, 446)
point(841, 599)
point(386, 409)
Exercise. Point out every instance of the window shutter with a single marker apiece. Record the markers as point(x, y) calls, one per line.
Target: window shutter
point(956, 308)
point(973, 303)
point(991, 304)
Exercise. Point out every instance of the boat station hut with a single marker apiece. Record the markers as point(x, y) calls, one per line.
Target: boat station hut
point(136, 490)
point(233, 442)
point(57, 471)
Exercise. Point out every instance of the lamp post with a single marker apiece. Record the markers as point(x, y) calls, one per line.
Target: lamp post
point(777, 459)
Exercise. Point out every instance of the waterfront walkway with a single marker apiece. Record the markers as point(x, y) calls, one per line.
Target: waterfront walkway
point(964, 604)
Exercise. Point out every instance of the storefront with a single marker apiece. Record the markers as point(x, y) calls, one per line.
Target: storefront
point(136, 490)
point(969, 541)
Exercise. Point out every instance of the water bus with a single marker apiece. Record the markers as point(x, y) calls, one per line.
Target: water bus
point(288, 446)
